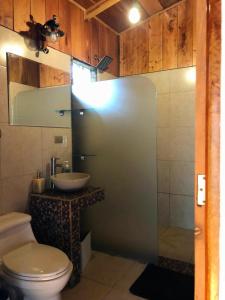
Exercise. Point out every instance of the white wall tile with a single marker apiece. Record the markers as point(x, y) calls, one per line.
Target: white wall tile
point(11, 152)
point(163, 174)
point(160, 80)
point(182, 109)
point(3, 95)
point(163, 143)
point(163, 210)
point(31, 149)
point(1, 198)
point(182, 143)
point(182, 211)
point(15, 193)
point(62, 151)
point(163, 110)
point(182, 178)
point(182, 80)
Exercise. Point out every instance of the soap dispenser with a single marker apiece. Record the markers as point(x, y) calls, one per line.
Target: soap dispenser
point(38, 184)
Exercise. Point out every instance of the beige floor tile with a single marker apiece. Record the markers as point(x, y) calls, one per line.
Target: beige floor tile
point(86, 290)
point(106, 269)
point(129, 278)
point(177, 243)
point(120, 295)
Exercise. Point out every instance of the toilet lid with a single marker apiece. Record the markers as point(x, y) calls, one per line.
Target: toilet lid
point(36, 260)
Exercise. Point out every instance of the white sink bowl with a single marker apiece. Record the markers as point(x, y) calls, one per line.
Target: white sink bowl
point(70, 181)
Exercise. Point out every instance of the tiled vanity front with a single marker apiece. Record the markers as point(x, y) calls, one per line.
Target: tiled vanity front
point(56, 220)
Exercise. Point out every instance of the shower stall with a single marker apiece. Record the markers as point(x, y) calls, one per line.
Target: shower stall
point(114, 140)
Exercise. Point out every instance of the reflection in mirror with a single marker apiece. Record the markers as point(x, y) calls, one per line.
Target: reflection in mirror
point(39, 95)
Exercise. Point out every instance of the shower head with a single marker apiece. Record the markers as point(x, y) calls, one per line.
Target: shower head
point(103, 63)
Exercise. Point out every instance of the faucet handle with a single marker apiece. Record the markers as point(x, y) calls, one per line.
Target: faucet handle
point(53, 158)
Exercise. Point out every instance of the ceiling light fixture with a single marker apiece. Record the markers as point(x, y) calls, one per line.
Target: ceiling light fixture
point(134, 15)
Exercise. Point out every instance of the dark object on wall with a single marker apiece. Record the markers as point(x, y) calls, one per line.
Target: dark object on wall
point(38, 34)
point(157, 283)
point(103, 63)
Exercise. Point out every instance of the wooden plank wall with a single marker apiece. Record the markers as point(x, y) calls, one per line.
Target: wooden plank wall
point(83, 39)
point(165, 41)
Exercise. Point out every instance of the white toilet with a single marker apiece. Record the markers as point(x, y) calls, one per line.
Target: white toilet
point(39, 271)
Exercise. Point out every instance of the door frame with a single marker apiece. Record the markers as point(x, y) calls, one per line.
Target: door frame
point(207, 218)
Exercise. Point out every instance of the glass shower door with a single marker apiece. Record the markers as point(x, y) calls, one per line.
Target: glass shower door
point(114, 140)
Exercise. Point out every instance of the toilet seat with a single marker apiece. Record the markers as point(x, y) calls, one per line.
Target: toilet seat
point(36, 262)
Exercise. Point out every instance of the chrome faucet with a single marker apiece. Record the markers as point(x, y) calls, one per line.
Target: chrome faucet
point(54, 165)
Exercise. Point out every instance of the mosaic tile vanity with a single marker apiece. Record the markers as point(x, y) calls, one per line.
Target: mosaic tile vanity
point(56, 221)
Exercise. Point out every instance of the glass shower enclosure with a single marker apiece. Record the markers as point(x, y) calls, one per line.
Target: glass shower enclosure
point(114, 140)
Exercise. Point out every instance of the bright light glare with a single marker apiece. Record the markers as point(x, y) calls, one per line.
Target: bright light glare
point(11, 48)
point(134, 15)
point(191, 75)
point(95, 94)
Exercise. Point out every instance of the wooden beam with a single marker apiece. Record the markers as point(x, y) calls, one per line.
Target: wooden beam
point(99, 7)
point(98, 19)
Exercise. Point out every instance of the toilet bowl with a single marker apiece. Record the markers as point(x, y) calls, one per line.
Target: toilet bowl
point(38, 271)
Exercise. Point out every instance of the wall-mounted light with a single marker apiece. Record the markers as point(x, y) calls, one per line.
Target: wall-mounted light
point(39, 34)
point(50, 32)
point(134, 15)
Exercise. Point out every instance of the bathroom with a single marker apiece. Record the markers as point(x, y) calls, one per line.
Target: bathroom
point(124, 115)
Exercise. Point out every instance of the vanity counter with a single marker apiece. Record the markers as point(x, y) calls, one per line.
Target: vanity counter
point(56, 220)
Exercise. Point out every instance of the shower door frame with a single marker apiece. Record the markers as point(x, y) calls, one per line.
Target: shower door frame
point(207, 218)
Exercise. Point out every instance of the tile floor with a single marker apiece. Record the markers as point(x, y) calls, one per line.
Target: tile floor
point(109, 277)
point(177, 243)
point(106, 277)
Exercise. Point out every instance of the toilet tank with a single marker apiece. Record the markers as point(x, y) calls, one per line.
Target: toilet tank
point(15, 231)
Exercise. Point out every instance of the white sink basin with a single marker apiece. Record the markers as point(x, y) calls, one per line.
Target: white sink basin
point(70, 181)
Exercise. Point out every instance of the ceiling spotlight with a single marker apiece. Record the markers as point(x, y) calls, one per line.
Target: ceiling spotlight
point(134, 15)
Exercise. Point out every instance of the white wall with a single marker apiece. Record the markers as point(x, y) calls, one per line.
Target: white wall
point(23, 150)
point(175, 146)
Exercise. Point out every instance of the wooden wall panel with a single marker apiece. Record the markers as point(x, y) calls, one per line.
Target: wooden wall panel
point(185, 34)
point(80, 34)
point(127, 54)
point(109, 45)
point(52, 8)
point(169, 39)
point(64, 19)
point(95, 28)
point(213, 149)
point(52, 77)
point(194, 11)
point(155, 43)
point(21, 15)
point(142, 49)
point(38, 10)
point(134, 48)
point(22, 70)
point(6, 13)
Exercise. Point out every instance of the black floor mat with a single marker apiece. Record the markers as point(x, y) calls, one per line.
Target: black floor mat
point(157, 283)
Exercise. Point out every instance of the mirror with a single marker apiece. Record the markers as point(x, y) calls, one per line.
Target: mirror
point(39, 95)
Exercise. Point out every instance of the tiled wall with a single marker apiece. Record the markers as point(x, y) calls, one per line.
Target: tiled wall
point(175, 146)
point(24, 150)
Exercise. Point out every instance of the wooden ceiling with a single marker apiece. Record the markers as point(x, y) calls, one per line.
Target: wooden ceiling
point(116, 14)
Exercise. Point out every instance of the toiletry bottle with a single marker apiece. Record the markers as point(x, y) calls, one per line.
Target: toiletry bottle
point(38, 184)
